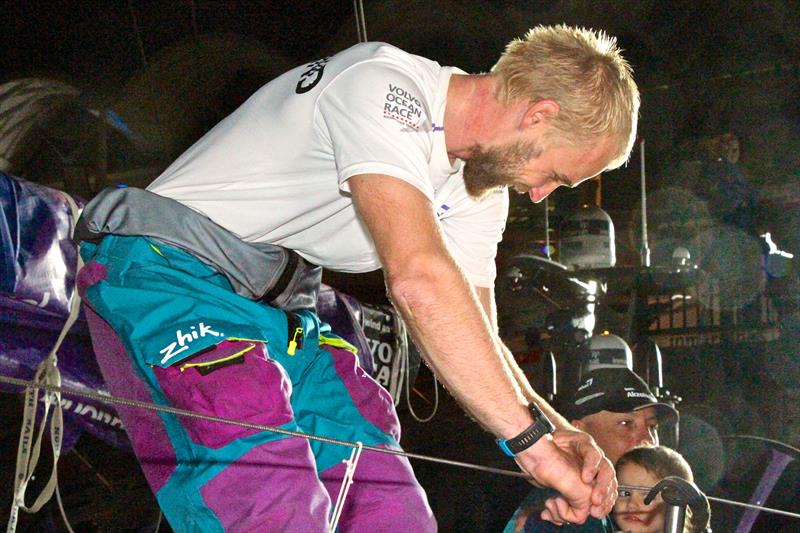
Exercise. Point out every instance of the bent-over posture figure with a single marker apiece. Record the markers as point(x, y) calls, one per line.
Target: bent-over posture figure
point(201, 289)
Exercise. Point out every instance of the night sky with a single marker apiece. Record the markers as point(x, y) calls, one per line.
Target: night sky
point(667, 42)
point(703, 67)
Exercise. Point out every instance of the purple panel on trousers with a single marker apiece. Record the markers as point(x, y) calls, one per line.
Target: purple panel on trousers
point(273, 487)
point(233, 379)
point(385, 496)
point(144, 427)
point(373, 401)
point(91, 273)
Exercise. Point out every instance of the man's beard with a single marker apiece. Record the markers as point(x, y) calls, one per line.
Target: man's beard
point(491, 168)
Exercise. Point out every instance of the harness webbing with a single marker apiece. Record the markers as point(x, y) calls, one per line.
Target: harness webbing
point(28, 451)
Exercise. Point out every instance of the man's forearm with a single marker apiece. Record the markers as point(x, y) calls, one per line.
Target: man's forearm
point(455, 336)
point(448, 325)
point(530, 394)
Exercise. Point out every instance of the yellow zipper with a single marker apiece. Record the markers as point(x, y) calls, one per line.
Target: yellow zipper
point(218, 361)
point(292, 349)
point(337, 342)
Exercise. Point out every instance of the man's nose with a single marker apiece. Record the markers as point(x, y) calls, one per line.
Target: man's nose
point(538, 194)
point(646, 437)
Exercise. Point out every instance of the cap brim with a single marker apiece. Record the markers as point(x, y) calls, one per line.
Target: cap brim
point(664, 412)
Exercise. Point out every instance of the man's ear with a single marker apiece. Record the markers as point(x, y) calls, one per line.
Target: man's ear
point(539, 112)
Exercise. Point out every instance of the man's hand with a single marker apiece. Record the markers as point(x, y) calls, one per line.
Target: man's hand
point(596, 470)
point(571, 463)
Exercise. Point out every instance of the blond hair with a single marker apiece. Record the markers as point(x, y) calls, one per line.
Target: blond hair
point(585, 73)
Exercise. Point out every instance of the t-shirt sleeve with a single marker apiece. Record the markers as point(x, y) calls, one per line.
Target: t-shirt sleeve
point(472, 231)
point(377, 120)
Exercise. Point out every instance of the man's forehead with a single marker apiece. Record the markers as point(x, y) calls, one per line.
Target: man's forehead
point(648, 413)
point(588, 161)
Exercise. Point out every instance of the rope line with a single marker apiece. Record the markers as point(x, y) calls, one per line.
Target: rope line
point(361, 23)
point(763, 439)
point(191, 414)
point(137, 33)
point(392, 451)
point(403, 346)
point(640, 488)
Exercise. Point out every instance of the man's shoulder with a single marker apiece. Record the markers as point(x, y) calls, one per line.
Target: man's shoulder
point(382, 55)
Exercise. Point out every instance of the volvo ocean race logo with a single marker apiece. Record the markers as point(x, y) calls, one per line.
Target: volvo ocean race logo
point(402, 106)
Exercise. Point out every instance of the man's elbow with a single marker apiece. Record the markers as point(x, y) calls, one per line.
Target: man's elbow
point(418, 281)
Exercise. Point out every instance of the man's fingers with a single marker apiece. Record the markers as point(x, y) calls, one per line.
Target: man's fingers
point(604, 507)
point(605, 484)
point(559, 511)
point(548, 516)
point(592, 457)
point(552, 512)
point(604, 493)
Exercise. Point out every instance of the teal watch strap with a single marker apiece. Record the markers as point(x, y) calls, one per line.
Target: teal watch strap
point(541, 426)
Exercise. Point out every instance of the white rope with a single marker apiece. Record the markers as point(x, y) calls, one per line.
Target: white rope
point(350, 473)
point(28, 450)
point(361, 23)
point(391, 451)
point(106, 398)
point(639, 488)
point(762, 439)
point(403, 346)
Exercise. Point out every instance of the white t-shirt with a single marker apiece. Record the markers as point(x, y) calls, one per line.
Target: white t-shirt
point(276, 169)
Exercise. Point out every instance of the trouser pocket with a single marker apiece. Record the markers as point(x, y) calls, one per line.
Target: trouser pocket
point(234, 379)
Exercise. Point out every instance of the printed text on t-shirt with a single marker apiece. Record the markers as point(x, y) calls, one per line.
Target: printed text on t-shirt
point(402, 106)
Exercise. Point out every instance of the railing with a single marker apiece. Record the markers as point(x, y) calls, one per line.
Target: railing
point(699, 316)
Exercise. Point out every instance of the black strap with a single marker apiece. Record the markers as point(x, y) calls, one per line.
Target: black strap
point(284, 279)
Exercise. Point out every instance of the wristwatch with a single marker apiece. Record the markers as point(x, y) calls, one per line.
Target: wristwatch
point(541, 426)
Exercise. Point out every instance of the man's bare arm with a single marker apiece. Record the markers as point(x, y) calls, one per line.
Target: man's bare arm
point(453, 333)
point(488, 302)
point(438, 304)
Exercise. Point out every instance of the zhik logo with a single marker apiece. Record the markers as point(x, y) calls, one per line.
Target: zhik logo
point(184, 339)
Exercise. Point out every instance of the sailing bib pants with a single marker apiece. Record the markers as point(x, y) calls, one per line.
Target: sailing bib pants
point(168, 329)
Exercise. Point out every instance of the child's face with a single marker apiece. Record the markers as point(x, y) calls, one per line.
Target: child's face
point(630, 512)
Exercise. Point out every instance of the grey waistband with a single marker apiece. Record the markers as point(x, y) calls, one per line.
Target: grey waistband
point(258, 271)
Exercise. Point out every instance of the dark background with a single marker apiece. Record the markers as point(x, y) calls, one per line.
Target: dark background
point(703, 67)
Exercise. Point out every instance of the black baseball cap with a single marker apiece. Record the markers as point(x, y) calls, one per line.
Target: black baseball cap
point(618, 390)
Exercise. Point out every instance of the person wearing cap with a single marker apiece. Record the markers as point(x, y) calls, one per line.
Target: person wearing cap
point(616, 407)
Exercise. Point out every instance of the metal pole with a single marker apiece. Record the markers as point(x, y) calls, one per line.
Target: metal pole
point(645, 251)
point(547, 227)
point(674, 518)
